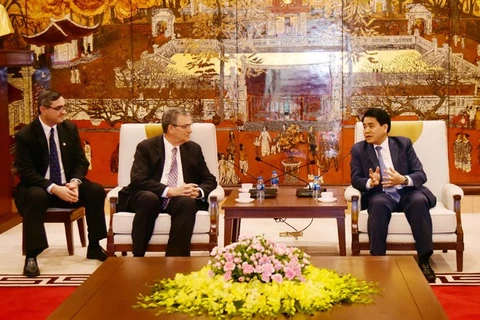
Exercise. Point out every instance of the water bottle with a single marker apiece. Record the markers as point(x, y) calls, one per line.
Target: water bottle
point(260, 188)
point(274, 180)
point(316, 188)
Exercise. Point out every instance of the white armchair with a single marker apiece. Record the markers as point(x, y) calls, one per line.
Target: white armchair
point(205, 232)
point(431, 145)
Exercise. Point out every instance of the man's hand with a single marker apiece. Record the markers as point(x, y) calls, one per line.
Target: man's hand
point(392, 178)
point(374, 177)
point(68, 193)
point(188, 189)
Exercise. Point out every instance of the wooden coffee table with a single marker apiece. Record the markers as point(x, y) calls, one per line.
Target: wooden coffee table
point(112, 290)
point(285, 205)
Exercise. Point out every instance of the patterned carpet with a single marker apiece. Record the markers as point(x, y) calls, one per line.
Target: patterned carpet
point(44, 280)
point(75, 280)
point(457, 279)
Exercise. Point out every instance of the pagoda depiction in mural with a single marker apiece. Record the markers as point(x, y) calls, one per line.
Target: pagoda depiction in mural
point(282, 79)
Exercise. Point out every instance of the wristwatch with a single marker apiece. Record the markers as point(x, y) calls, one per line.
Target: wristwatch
point(405, 182)
point(78, 181)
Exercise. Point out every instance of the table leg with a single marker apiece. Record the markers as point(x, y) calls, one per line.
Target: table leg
point(341, 236)
point(236, 230)
point(227, 232)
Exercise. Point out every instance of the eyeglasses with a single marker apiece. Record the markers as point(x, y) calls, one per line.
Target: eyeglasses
point(59, 108)
point(183, 126)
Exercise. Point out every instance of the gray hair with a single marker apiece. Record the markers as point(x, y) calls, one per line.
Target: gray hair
point(46, 98)
point(170, 116)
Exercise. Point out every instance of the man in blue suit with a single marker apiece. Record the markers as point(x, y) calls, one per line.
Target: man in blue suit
point(390, 176)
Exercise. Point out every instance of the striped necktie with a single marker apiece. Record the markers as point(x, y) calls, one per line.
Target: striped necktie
point(172, 175)
point(391, 191)
point(55, 173)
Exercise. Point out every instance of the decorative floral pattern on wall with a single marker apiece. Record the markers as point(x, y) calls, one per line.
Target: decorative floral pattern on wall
point(284, 81)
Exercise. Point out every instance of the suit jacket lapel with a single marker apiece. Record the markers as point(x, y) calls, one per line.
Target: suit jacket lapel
point(63, 141)
point(372, 155)
point(160, 161)
point(394, 153)
point(42, 142)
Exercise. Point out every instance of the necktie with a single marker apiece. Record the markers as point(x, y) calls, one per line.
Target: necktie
point(55, 174)
point(172, 175)
point(391, 191)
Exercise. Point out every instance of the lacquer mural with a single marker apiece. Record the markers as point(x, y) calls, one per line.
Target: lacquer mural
point(284, 81)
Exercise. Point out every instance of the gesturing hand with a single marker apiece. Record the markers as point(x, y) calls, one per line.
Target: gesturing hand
point(374, 177)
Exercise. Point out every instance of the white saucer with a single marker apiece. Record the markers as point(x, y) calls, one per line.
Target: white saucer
point(327, 199)
point(245, 200)
point(244, 190)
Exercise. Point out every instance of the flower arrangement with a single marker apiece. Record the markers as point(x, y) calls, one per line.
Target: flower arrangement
point(258, 258)
point(256, 277)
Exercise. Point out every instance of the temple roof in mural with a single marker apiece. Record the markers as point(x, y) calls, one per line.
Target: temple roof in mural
point(60, 31)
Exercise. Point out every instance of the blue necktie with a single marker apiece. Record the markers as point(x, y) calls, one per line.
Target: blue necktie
point(55, 174)
point(391, 191)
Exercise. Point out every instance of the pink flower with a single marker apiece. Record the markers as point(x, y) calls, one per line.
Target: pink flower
point(277, 278)
point(229, 266)
point(263, 259)
point(247, 268)
point(289, 273)
point(266, 276)
point(280, 249)
point(228, 276)
point(268, 267)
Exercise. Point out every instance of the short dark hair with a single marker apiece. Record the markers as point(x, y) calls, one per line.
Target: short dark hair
point(170, 116)
point(46, 98)
point(381, 115)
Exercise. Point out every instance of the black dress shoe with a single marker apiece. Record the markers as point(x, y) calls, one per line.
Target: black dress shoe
point(427, 271)
point(96, 253)
point(31, 269)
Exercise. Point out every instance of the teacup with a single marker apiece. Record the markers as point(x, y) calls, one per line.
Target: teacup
point(327, 195)
point(244, 195)
point(247, 186)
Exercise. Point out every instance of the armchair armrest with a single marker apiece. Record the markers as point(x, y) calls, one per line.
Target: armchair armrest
point(218, 192)
point(351, 191)
point(448, 192)
point(353, 195)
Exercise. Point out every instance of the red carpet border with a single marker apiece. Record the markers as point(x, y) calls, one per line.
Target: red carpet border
point(75, 280)
point(44, 280)
point(457, 279)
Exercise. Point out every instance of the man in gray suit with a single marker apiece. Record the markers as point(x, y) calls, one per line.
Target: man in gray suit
point(153, 188)
point(390, 176)
point(62, 183)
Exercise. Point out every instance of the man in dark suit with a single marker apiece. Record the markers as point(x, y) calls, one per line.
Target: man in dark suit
point(169, 174)
point(46, 183)
point(397, 187)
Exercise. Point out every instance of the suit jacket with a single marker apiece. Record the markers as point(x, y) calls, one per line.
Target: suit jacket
point(148, 165)
point(405, 161)
point(32, 154)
